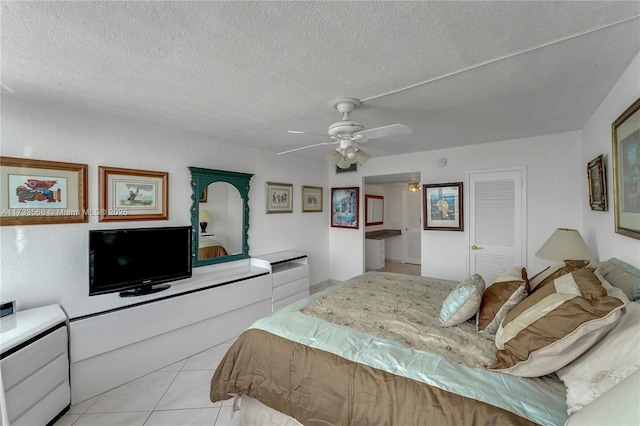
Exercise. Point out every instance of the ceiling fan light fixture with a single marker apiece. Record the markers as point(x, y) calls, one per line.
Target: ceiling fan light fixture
point(343, 162)
point(333, 157)
point(362, 157)
point(350, 153)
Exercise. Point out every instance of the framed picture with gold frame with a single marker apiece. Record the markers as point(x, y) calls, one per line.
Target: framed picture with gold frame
point(311, 199)
point(129, 194)
point(597, 184)
point(626, 182)
point(42, 192)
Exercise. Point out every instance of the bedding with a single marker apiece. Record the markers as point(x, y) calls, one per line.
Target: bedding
point(372, 350)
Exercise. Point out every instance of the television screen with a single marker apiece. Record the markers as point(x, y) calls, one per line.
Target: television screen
point(134, 261)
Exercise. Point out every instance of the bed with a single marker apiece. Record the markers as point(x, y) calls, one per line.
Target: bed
point(373, 350)
point(209, 248)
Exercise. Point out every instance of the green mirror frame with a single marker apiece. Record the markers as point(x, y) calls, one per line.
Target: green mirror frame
point(201, 179)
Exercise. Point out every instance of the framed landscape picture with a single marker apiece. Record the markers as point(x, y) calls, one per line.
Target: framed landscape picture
point(345, 207)
point(42, 192)
point(311, 199)
point(626, 179)
point(128, 194)
point(279, 197)
point(443, 207)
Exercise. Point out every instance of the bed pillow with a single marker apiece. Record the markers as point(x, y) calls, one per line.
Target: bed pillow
point(555, 325)
point(463, 301)
point(505, 292)
point(606, 364)
point(621, 275)
point(549, 274)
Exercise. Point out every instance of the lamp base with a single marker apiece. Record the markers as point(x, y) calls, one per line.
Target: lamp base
point(203, 227)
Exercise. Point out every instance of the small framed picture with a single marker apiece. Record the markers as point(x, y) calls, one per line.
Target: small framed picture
point(443, 207)
point(311, 199)
point(279, 197)
point(345, 207)
point(597, 184)
point(128, 194)
point(42, 192)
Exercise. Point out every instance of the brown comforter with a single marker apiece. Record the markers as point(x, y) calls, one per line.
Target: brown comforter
point(320, 388)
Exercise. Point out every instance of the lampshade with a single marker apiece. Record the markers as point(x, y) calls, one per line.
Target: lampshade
point(333, 157)
point(565, 244)
point(414, 186)
point(205, 216)
point(362, 157)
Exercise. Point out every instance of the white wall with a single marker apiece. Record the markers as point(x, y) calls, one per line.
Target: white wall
point(597, 139)
point(555, 198)
point(42, 264)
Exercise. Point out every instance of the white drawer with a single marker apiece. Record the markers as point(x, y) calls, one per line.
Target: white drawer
point(41, 413)
point(290, 289)
point(34, 388)
point(289, 300)
point(19, 365)
point(294, 271)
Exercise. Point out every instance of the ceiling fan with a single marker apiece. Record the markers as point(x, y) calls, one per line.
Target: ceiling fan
point(348, 135)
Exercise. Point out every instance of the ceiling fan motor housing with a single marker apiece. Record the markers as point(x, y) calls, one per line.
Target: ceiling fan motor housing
point(345, 105)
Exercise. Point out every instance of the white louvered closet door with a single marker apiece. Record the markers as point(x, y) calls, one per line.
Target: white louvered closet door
point(497, 221)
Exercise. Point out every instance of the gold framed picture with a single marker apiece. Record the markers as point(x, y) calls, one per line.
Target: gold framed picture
point(279, 197)
point(42, 192)
point(311, 199)
point(128, 194)
point(597, 184)
point(626, 182)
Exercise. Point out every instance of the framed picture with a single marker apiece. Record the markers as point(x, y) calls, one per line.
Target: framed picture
point(597, 184)
point(626, 182)
point(205, 194)
point(443, 207)
point(42, 192)
point(279, 197)
point(311, 199)
point(345, 207)
point(128, 194)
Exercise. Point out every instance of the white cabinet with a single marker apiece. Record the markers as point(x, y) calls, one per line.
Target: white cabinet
point(114, 340)
point(374, 253)
point(290, 275)
point(34, 366)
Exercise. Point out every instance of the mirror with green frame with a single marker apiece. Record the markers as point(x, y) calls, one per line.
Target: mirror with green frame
point(219, 215)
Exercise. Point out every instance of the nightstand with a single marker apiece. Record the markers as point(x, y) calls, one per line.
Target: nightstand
point(34, 366)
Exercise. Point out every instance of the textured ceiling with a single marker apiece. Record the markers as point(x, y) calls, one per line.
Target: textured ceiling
point(246, 72)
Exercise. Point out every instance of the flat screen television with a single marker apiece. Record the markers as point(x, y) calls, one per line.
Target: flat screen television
point(138, 261)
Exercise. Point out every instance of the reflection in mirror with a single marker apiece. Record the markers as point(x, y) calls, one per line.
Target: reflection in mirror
point(219, 215)
point(374, 209)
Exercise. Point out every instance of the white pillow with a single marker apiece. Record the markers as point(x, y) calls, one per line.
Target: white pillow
point(606, 364)
point(463, 301)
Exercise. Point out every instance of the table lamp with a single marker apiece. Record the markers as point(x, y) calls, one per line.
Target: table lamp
point(565, 244)
point(205, 218)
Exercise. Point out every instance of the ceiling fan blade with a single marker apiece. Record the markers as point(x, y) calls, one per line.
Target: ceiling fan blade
point(385, 131)
point(308, 146)
point(300, 132)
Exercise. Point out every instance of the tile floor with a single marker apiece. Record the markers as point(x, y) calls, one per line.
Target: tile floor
point(175, 395)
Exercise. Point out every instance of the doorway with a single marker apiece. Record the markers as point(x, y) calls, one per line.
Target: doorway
point(402, 216)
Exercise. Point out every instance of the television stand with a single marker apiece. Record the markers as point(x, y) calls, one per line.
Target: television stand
point(145, 289)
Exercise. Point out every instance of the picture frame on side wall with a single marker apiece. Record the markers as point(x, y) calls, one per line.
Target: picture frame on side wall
point(626, 180)
point(279, 197)
point(597, 184)
point(131, 195)
point(311, 199)
point(42, 192)
point(345, 207)
point(443, 209)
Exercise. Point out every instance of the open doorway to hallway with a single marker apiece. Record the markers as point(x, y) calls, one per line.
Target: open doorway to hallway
point(393, 244)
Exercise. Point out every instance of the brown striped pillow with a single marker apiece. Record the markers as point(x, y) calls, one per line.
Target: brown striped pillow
point(549, 274)
point(555, 325)
point(505, 292)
